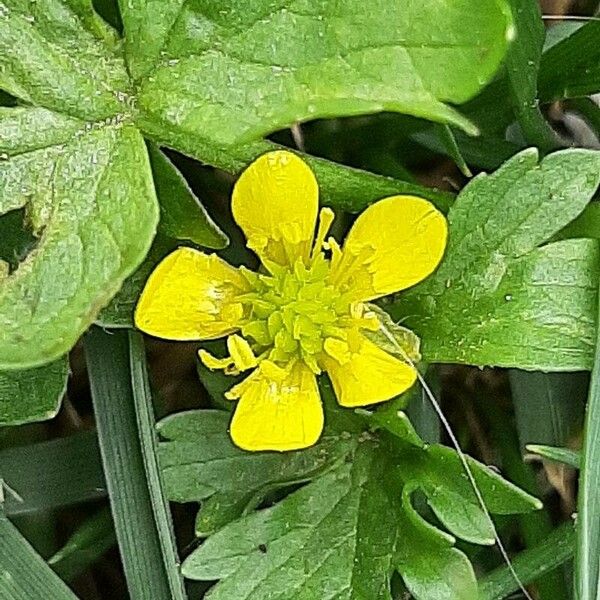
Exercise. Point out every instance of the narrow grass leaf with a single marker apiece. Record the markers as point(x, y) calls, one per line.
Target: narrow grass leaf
point(125, 440)
point(48, 475)
point(149, 445)
point(549, 407)
point(23, 573)
point(87, 544)
point(530, 564)
point(587, 554)
point(560, 455)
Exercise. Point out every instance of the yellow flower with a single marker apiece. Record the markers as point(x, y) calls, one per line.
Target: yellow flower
point(305, 313)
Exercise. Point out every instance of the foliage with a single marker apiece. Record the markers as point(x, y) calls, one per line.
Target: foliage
point(121, 128)
point(343, 533)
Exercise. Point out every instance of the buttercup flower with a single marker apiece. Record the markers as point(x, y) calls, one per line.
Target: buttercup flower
point(306, 311)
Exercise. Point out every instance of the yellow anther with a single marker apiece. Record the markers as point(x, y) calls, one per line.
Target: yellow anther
point(326, 217)
point(214, 363)
point(241, 353)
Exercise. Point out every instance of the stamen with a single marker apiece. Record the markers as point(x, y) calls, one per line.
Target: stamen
point(214, 363)
point(241, 353)
point(326, 217)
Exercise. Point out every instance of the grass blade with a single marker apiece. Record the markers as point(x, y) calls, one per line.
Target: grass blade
point(587, 554)
point(534, 527)
point(47, 475)
point(531, 564)
point(23, 573)
point(93, 538)
point(565, 456)
point(548, 407)
point(126, 439)
point(149, 443)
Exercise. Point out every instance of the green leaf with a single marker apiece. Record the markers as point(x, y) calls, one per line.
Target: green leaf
point(439, 473)
point(423, 554)
point(571, 67)
point(91, 203)
point(586, 225)
point(333, 538)
point(126, 435)
point(494, 273)
point(522, 65)
point(53, 474)
point(49, 58)
point(25, 575)
point(565, 456)
point(182, 217)
point(200, 463)
point(341, 186)
point(25, 129)
point(234, 72)
point(33, 394)
point(86, 11)
point(343, 534)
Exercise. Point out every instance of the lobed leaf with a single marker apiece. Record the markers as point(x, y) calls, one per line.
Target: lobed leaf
point(33, 394)
point(200, 463)
point(423, 553)
point(333, 538)
point(234, 72)
point(49, 58)
point(494, 273)
point(91, 203)
point(343, 534)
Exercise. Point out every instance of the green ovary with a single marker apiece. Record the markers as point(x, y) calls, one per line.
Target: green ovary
point(292, 312)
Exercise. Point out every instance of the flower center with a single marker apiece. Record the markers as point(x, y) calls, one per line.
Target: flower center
point(294, 310)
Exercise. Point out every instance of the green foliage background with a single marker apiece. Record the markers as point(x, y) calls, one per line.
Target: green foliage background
point(120, 130)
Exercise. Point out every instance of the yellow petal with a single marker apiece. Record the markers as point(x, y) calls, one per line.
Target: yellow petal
point(275, 202)
point(278, 414)
point(393, 245)
point(362, 373)
point(191, 296)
